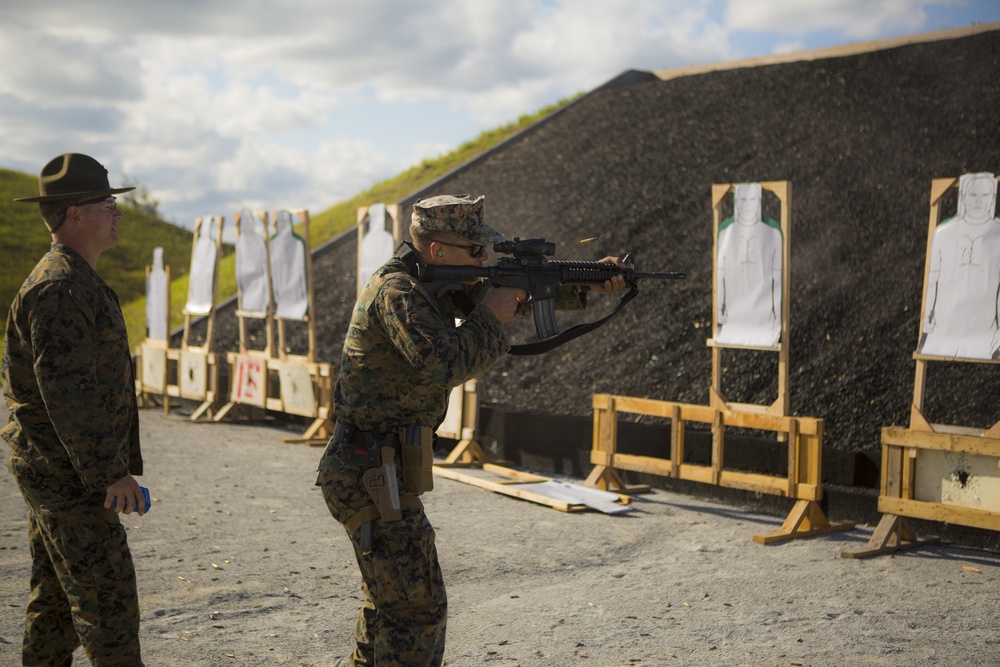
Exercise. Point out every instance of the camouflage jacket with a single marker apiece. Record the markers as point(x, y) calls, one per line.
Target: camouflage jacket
point(403, 352)
point(67, 377)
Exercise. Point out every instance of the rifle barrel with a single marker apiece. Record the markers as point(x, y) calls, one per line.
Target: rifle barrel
point(671, 275)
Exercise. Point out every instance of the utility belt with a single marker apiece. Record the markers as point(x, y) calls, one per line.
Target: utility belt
point(376, 452)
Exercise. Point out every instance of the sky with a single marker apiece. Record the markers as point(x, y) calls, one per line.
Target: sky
point(219, 105)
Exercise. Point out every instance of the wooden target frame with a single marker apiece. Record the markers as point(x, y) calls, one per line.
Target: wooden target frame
point(907, 451)
point(151, 360)
point(294, 384)
point(803, 435)
point(193, 370)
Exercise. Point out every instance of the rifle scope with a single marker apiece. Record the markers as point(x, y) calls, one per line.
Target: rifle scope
point(526, 247)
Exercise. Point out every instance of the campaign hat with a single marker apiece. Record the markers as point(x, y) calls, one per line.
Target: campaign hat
point(73, 176)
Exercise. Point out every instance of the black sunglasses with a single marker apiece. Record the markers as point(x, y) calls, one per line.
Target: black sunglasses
point(476, 251)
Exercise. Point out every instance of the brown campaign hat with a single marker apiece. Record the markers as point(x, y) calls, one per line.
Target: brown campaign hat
point(73, 176)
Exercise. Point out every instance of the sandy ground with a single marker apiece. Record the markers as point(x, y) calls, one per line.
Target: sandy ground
point(240, 564)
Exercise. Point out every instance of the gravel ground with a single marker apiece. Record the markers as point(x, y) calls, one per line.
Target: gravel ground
point(240, 564)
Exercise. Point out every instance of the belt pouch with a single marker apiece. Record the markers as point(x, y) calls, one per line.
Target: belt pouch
point(418, 459)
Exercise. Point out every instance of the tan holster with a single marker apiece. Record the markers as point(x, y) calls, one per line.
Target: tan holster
point(380, 483)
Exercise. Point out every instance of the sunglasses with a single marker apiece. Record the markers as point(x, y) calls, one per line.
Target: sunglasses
point(476, 251)
point(110, 201)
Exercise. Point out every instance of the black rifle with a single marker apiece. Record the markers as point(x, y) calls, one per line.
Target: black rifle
point(530, 270)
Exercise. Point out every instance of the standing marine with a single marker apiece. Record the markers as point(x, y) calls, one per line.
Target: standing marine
point(74, 428)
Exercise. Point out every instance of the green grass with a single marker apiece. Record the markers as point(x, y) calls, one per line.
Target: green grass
point(25, 238)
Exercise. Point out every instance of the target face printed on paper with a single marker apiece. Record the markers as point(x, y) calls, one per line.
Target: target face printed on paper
point(749, 277)
point(201, 283)
point(251, 264)
point(962, 294)
point(288, 270)
point(377, 244)
point(157, 298)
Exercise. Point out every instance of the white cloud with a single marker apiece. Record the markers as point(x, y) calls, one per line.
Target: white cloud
point(856, 19)
point(212, 103)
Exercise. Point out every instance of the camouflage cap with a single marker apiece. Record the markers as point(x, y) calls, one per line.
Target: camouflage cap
point(461, 215)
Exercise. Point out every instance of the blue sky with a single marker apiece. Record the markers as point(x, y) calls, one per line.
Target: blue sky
point(218, 105)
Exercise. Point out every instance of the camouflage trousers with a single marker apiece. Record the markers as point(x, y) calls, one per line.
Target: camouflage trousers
point(83, 585)
point(402, 621)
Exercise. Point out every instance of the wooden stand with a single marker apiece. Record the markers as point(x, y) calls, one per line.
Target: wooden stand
point(804, 435)
point(312, 397)
point(892, 534)
point(906, 452)
point(249, 360)
point(193, 369)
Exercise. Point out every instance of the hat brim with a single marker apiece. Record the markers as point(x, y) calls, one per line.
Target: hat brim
point(91, 194)
point(484, 234)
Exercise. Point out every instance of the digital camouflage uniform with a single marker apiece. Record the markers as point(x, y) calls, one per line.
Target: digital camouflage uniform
point(73, 431)
point(402, 356)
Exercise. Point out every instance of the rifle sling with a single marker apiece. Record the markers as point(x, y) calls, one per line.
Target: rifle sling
point(465, 304)
point(542, 346)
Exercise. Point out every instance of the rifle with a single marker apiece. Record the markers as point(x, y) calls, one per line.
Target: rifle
point(530, 270)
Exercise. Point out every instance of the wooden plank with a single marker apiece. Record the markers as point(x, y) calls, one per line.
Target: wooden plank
point(892, 469)
point(964, 516)
point(496, 487)
point(676, 440)
point(518, 475)
point(718, 448)
point(795, 458)
point(645, 464)
point(696, 473)
point(642, 406)
point(749, 481)
point(949, 442)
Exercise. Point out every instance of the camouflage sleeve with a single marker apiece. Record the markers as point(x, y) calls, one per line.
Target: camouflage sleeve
point(62, 338)
point(444, 354)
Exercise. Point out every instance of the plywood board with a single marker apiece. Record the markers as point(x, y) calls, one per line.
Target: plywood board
point(297, 394)
point(249, 384)
point(958, 478)
point(154, 368)
point(192, 375)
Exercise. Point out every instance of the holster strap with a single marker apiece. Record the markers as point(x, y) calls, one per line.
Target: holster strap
point(370, 512)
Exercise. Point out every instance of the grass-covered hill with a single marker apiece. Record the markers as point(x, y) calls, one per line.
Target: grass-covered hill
point(25, 240)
